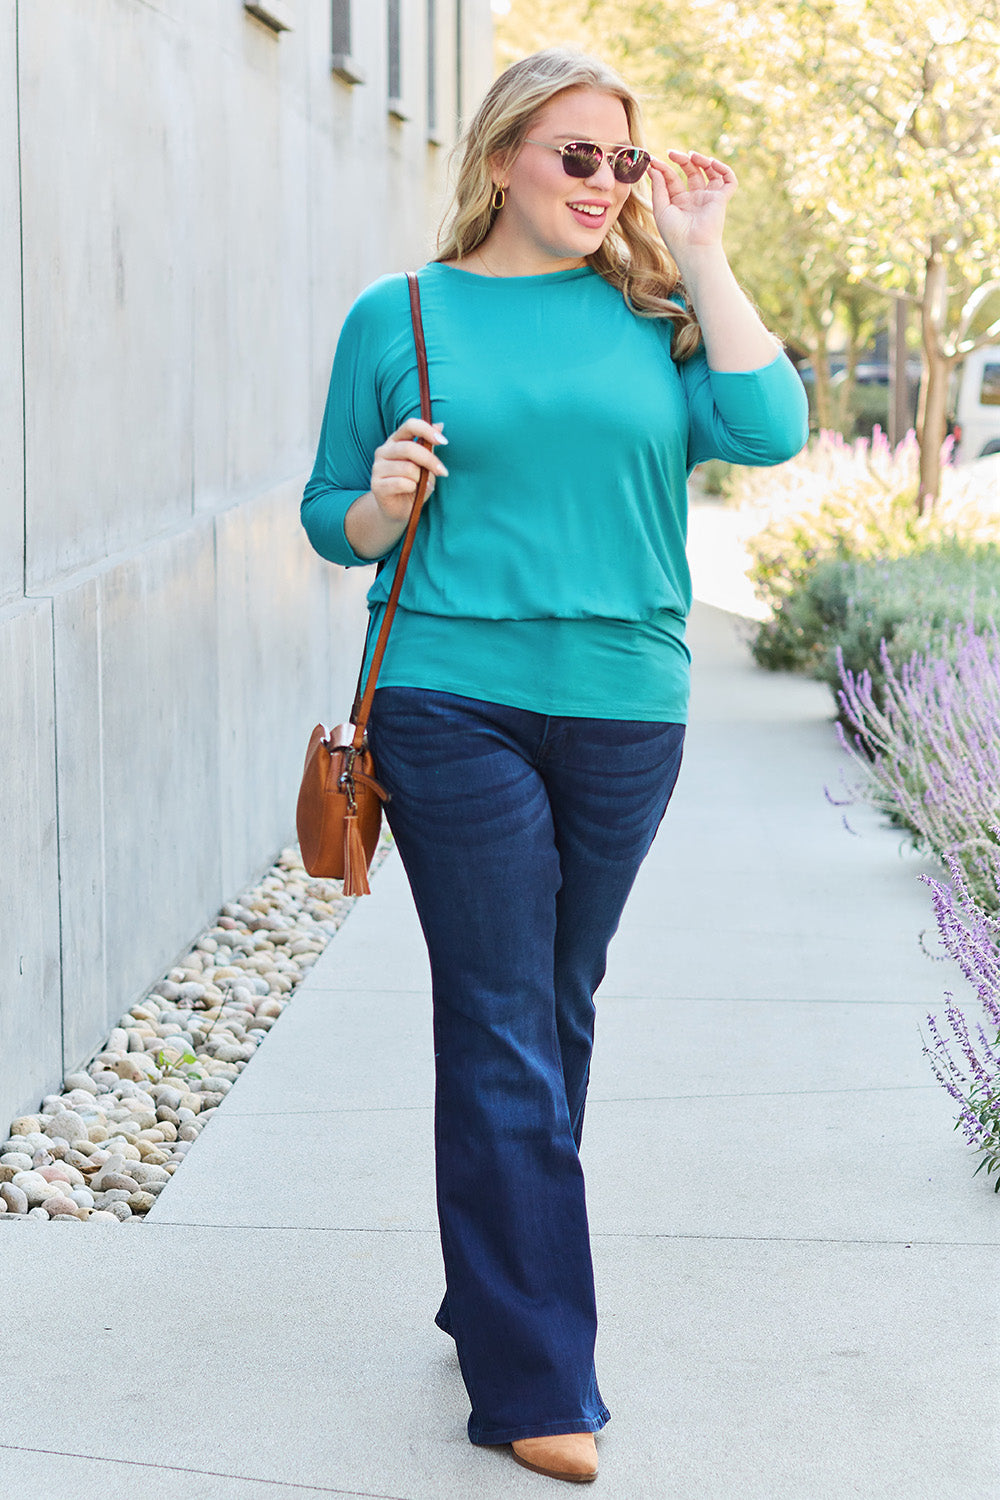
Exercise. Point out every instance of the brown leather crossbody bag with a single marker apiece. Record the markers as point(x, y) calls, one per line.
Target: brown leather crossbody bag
point(339, 812)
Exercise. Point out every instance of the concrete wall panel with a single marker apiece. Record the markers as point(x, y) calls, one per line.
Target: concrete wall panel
point(107, 304)
point(160, 757)
point(30, 1041)
point(268, 315)
point(477, 55)
point(11, 422)
point(214, 259)
point(251, 328)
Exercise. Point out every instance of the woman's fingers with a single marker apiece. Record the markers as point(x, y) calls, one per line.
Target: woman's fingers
point(416, 428)
point(699, 169)
point(712, 165)
point(692, 172)
point(398, 488)
point(414, 453)
point(666, 169)
point(396, 469)
point(400, 461)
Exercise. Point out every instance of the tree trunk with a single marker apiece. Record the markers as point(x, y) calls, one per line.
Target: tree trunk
point(934, 403)
point(815, 311)
point(899, 386)
point(932, 418)
point(847, 420)
point(822, 404)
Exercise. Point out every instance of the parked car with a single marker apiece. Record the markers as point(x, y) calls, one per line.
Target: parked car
point(975, 404)
point(870, 396)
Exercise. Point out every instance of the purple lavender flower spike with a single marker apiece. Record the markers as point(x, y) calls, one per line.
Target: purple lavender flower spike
point(929, 755)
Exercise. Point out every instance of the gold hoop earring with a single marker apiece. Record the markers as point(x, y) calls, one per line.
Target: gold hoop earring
point(499, 197)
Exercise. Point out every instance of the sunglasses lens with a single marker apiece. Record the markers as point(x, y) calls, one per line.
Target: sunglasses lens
point(628, 166)
point(580, 159)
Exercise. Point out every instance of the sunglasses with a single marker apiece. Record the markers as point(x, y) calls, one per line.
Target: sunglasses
point(582, 159)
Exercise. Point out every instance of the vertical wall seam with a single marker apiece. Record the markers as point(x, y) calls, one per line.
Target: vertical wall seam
point(20, 251)
point(193, 394)
point(58, 850)
point(310, 350)
point(99, 633)
point(457, 60)
point(222, 827)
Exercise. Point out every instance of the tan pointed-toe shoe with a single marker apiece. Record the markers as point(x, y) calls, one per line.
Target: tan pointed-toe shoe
point(571, 1456)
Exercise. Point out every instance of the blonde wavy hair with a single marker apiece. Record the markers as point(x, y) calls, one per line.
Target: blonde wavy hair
point(633, 257)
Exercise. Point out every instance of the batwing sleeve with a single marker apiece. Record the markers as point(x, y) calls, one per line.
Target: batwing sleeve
point(756, 417)
point(353, 427)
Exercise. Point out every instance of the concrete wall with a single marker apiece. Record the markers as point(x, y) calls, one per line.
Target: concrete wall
point(190, 199)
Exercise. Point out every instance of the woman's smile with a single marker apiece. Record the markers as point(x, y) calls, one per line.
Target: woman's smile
point(589, 212)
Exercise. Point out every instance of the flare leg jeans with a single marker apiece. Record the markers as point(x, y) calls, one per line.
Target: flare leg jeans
point(521, 836)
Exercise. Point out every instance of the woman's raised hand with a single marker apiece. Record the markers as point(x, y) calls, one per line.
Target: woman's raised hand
point(398, 464)
point(690, 194)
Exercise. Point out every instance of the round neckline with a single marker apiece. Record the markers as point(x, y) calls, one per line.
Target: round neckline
point(547, 276)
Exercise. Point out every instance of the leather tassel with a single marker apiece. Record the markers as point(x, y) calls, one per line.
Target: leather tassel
point(355, 863)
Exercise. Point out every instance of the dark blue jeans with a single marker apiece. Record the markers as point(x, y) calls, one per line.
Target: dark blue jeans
point(521, 836)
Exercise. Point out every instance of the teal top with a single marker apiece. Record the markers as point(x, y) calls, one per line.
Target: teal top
point(549, 569)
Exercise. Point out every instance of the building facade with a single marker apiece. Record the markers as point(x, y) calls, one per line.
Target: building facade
point(192, 192)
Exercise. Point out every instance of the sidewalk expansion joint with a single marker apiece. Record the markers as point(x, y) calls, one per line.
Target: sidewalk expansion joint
point(792, 1239)
point(135, 1463)
point(896, 1088)
point(291, 1228)
point(343, 1109)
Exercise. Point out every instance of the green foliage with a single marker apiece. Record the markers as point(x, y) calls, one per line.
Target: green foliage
point(908, 602)
point(799, 572)
point(926, 754)
point(836, 507)
point(965, 1055)
point(866, 406)
point(716, 478)
point(185, 1066)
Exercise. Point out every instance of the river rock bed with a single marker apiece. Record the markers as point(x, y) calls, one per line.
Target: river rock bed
point(105, 1148)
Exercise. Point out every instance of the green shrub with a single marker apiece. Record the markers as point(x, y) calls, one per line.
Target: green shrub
point(835, 506)
point(908, 602)
point(716, 477)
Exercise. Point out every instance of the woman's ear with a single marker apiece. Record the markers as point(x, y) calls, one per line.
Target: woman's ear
point(500, 165)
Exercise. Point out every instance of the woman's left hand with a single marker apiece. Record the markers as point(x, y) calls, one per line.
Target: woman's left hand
point(690, 194)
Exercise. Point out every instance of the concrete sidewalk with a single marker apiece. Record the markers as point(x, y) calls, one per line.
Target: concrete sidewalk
point(796, 1270)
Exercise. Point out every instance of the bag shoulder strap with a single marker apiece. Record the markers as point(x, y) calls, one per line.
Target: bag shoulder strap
point(363, 708)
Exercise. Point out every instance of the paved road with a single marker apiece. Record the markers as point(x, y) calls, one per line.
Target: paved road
point(797, 1272)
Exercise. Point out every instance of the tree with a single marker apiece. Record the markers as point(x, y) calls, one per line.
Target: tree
point(888, 118)
point(874, 124)
point(892, 120)
point(787, 264)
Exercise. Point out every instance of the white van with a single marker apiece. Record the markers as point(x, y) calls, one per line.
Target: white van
point(976, 404)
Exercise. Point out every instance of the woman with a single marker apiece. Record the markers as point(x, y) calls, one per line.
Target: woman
point(587, 346)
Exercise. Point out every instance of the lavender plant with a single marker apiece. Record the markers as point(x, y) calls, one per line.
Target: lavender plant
point(966, 1062)
point(928, 754)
